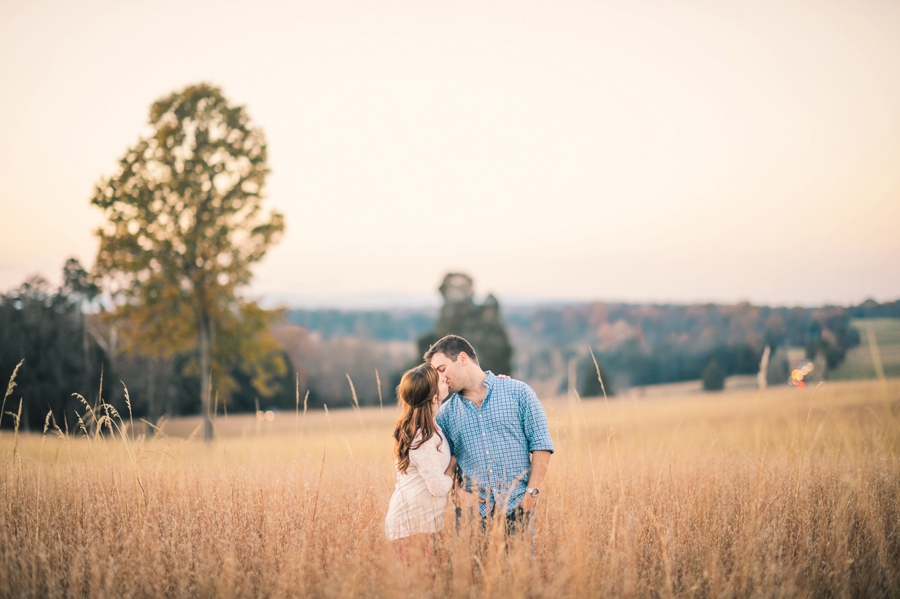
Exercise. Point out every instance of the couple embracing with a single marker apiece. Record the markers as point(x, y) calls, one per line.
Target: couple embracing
point(488, 445)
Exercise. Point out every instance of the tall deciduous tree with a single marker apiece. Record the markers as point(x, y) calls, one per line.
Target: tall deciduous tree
point(184, 223)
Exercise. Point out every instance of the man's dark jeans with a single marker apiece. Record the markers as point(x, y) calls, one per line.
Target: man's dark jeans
point(518, 525)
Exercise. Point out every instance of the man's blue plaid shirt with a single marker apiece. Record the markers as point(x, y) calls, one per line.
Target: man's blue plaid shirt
point(493, 444)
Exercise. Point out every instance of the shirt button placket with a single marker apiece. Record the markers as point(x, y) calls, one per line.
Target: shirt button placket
point(487, 451)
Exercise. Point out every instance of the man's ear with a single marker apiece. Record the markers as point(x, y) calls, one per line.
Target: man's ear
point(463, 358)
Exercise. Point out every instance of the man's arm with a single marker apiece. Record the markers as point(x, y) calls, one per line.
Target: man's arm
point(540, 459)
point(534, 421)
point(451, 469)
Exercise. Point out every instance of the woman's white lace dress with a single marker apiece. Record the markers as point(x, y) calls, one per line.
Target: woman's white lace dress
point(420, 496)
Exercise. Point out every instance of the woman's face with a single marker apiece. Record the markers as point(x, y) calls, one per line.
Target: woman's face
point(443, 389)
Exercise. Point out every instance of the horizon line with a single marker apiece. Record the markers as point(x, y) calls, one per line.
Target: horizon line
point(399, 301)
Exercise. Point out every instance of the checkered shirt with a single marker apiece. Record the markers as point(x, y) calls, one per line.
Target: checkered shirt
point(493, 444)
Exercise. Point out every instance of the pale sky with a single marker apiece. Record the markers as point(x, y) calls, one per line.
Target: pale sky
point(639, 151)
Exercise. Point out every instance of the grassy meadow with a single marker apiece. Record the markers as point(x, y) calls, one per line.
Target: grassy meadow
point(794, 493)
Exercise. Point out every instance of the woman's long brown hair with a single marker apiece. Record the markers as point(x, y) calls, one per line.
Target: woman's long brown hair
point(414, 393)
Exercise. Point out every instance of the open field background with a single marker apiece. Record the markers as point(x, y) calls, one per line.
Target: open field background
point(793, 493)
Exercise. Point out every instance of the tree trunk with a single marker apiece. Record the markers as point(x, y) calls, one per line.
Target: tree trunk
point(205, 326)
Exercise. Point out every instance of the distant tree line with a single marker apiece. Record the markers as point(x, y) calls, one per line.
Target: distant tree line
point(662, 364)
point(872, 309)
point(70, 344)
point(651, 344)
point(383, 325)
point(669, 363)
point(68, 338)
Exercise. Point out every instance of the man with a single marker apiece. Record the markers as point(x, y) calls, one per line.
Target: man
point(497, 429)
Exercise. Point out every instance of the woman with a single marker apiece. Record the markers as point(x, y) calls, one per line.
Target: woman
point(424, 463)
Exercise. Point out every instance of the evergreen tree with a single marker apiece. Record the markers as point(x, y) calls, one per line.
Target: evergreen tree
point(480, 324)
point(46, 328)
point(713, 377)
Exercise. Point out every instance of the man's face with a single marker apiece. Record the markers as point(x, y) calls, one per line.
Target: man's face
point(450, 370)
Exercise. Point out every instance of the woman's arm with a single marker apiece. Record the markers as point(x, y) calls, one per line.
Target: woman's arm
point(427, 460)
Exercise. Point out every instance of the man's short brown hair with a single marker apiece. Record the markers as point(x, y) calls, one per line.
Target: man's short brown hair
point(451, 346)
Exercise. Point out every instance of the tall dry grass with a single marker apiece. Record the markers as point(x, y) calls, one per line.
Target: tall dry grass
point(718, 495)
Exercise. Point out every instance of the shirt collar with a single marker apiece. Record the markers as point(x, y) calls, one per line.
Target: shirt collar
point(488, 382)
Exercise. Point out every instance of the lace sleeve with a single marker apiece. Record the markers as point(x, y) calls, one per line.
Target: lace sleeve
point(427, 460)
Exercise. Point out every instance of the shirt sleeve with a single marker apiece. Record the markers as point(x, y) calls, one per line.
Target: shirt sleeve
point(427, 460)
point(534, 421)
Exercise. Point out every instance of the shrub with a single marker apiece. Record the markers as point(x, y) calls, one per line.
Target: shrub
point(713, 377)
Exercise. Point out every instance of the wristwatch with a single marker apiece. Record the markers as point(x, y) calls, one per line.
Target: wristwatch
point(533, 491)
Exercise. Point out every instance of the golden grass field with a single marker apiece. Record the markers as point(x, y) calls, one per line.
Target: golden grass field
point(792, 494)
